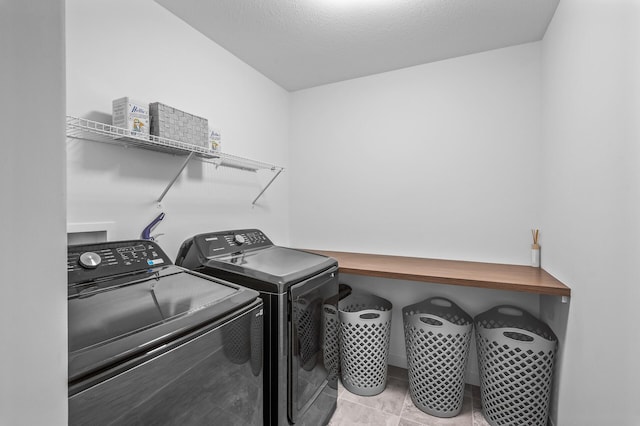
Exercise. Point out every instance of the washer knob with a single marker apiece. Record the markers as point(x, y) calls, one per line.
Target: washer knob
point(90, 260)
point(239, 239)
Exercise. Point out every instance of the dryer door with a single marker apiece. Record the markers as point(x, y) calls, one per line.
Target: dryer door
point(309, 367)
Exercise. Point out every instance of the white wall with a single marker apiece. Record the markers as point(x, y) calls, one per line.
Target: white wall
point(139, 49)
point(439, 160)
point(591, 204)
point(33, 307)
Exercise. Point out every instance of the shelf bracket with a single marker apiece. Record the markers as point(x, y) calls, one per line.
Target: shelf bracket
point(175, 177)
point(267, 186)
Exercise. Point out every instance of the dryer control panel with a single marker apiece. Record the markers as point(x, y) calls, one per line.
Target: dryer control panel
point(92, 261)
point(227, 242)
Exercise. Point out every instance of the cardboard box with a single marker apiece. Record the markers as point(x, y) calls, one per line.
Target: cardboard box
point(131, 115)
point(215, 140)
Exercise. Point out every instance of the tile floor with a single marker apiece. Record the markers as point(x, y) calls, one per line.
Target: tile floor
point(393, 407)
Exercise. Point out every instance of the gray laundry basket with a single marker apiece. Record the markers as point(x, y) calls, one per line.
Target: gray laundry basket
point(437, 335)
point(365, 329)
point(308, 315)
point(331, 343)
point(516, 354)
point(331, 335)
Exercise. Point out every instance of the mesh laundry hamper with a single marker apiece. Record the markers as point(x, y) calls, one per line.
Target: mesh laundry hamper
point(331, 335)
point(365, 329)
point(308, 314)
point(437, 335)
point(516, 353)
point(331, 342)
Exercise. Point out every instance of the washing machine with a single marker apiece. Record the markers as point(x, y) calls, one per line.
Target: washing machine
point(300, 293)
point(151, 343)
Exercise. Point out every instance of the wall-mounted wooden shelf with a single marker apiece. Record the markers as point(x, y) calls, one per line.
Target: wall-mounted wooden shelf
point(471, 274)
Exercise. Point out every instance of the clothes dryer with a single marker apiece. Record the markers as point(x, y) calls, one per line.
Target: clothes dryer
point(300, 293)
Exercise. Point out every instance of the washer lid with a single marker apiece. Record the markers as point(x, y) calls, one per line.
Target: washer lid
point(117, 318)
point(280, 266)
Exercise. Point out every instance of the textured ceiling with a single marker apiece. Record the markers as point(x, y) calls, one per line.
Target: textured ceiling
point(305, 43)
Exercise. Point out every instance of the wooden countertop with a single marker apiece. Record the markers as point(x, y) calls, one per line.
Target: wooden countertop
point(454, 272)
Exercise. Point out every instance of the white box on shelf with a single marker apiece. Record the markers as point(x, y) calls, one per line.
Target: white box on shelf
point(215, 140)
point(131, 115)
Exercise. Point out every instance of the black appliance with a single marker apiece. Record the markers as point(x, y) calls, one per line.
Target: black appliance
point(155, 344)
point(300, 295)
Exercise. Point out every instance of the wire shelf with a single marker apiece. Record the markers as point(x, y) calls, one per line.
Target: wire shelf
point(82, 128)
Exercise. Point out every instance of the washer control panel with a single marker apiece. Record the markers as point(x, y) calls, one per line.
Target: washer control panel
point(91, 261)
point(227, 242)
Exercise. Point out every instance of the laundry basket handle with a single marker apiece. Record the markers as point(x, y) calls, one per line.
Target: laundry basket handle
point(511, 336)
point(441, 301)
point(369, 315)
point(430, 319)
point(523, 336)
point(511, 311)
point(330, 309)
